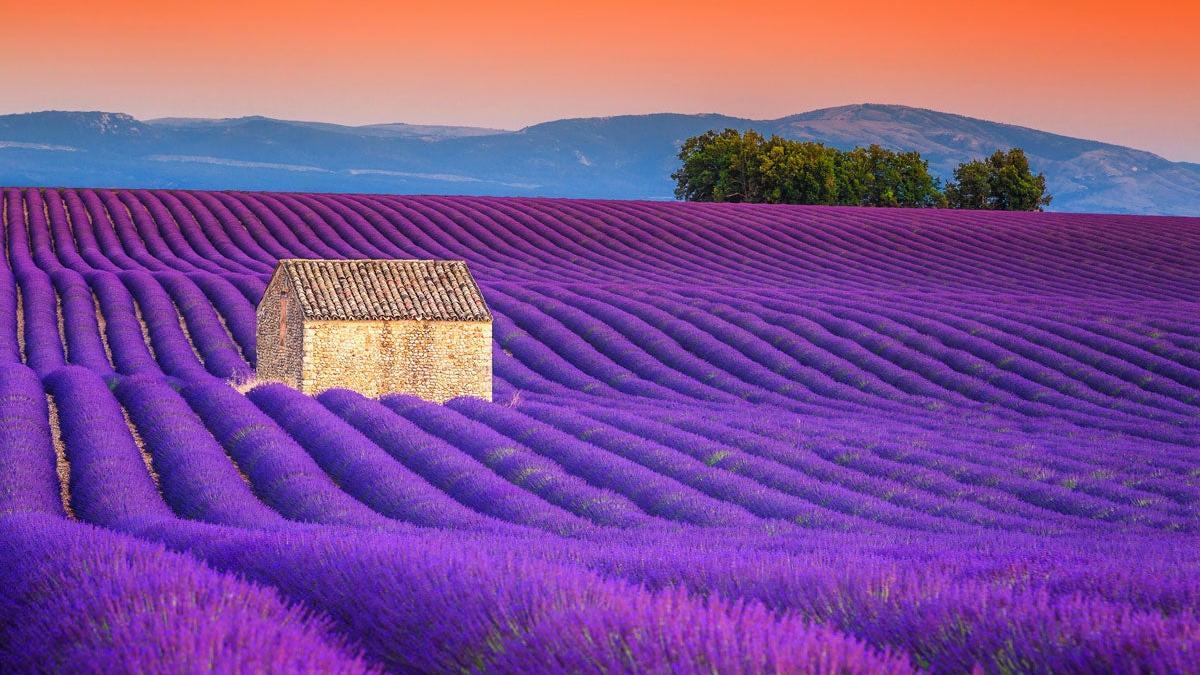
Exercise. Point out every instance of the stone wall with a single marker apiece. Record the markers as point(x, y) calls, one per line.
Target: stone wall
point(435, 360)
point(280, 355)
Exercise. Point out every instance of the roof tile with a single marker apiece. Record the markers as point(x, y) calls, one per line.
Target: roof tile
point(365, 290)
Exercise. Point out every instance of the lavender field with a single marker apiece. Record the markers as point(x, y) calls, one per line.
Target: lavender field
point(725, 438)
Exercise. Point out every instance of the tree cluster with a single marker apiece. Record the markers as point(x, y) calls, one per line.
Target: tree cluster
point(732, 166)
point(1002, 182)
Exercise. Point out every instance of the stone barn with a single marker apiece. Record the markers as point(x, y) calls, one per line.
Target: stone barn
point(418, 327)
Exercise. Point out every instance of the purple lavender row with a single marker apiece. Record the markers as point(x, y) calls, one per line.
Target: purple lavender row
point(85, 345)
point(227, 231)
point(174, 246)
point(572, 348)
point(361, 468)
point(1060, 499)
point(78, 598)
point(518, 464)
point(950, 605)
point(123, 330)
point(1107, 376)
point(220, 354)
point(237, 312)
point(445, 466)
point(700, 473)
point(820, 491)
point(172, 349)
point(28, 478)
point(194, 473)
point(653, 493)
point(110, 483)
point(282, 474)
point(497, 617)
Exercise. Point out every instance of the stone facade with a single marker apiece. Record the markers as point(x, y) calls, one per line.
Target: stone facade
point(280, 333)
point(311, 339)
point(435, 360)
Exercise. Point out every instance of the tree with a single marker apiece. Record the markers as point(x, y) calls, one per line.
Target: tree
point(798, 173)
point(1001, 182)
point(720, 167)
point(970, 188)
point(876, 176)
point(732, 166)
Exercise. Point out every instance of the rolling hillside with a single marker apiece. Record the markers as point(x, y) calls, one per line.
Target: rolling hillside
point(613, 157)
point(724, 438)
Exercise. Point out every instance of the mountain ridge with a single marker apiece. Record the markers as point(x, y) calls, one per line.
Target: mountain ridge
point(621, 156)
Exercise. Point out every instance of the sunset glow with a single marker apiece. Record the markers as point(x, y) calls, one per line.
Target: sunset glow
point(1120, 72)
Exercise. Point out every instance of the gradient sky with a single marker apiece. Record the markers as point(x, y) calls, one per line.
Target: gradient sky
point(1126, 72)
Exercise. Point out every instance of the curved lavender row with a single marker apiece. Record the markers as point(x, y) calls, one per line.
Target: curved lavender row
point(712, 636)
point(579, 353)
point(948, 610)
point(28, 478)
point(701, 474)
point(172, 233)
point(110, 483)
point(172, 349)
point(120, 230)
point(632, 334)
point(281, 472)
point(263, 229)
point(361, 468)
point(1117, 349)
point(196, 476)
point(197, 230)
point(372, 218)
point(920, 374)
point(85, 345)
point(960, 363)
point(539, 360)
point(447, 467)
point(824, 493)
point(145, 231)
point(316, 237)
point(316, 211)
point(655, 494)
point(43, 343)
point(221, 356)
point(518, 464)
point(237, 313)
point(75, 598)
point(129, 346)
point(1104, 374)
point(227, 228)
point(10, 342)
point(495, 596)
point(75, 239)
point(839, 466)
point(1060, 499)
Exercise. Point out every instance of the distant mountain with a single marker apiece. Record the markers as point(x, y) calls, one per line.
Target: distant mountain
point(616, 157)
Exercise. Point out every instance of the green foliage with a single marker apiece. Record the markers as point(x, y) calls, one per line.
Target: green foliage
point(732, 166)
point(876, 176)
point(721, 167)
point(1002, 182)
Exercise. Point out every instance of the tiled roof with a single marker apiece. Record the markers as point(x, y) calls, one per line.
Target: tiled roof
point(366, 290)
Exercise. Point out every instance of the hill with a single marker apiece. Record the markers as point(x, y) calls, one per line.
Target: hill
point(733, 438)
point(612, 157)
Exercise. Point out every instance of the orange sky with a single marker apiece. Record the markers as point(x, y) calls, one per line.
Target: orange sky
point(1122, 72)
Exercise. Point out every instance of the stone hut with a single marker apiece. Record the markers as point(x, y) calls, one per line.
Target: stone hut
point(418, 327)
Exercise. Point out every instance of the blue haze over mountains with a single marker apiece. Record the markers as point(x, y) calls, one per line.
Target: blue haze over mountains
point(627, 157)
